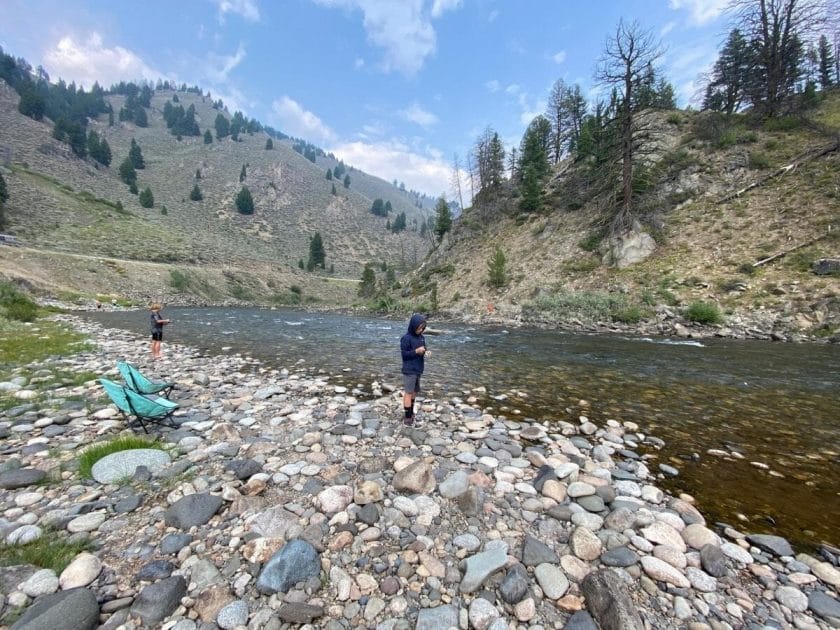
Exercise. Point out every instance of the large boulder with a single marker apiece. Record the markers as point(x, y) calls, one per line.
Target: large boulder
point(76, 608)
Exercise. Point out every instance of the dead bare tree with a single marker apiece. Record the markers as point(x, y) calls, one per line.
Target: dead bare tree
point(456, 179)
point(628, 55)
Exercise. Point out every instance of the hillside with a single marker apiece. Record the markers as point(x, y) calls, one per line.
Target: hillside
point(705, 250)
point(66, 206)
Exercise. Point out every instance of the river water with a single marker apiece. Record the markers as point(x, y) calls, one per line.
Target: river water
point(775, 408)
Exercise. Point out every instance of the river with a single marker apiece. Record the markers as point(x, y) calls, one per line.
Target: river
point(774, 407)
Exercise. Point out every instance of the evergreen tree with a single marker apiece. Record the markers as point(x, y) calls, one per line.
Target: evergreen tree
point(244, 201)
point(4, 192)
point(146, 198)
point(399, 223)
point(127, 172)
point(329, 174)
point(727, 86)
point(347, 181)
point(195, 193)
point(367, 286)
point(208, 137)
point(317, 255)
point(136, 155)
point(269, 145)
point(105, 155)
point(132, 188)
point(31, 103)
point(496, 268)
point(300, 264)
point(222, 126)
point(826, 62)
point(334, 192)
point(443, 221)
point(378, 208)
point(388, 208)
point(140, 118)
point(198, 173)
point(242, 174)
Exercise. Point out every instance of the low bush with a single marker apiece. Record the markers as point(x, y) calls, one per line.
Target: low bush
point(703, 313)
point(16, 304)
point(758, 160)
point(48, 552)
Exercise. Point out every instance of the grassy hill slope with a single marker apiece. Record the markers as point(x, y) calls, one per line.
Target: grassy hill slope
point(61, 203)
point(705, 250)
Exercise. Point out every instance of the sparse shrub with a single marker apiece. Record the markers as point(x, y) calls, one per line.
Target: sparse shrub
point(590, 243)
point(674, 119)
point(758, 160)
point(747, 269)
point(630, 314)
point(16, 304)
point(147, 199)
point(730, 284)
point(50, 551)
point(703, 313)
point(783, 123)
point(496, 268)
point(178, 280)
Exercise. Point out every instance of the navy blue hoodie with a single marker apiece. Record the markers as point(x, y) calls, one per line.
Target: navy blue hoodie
point(412, 363)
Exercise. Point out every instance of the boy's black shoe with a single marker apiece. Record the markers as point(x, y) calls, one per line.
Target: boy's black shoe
point(408, 421)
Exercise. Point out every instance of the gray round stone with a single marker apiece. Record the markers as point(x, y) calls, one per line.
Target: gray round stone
point(122, 464)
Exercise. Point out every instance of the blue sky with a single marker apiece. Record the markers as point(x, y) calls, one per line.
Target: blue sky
point(394, 87)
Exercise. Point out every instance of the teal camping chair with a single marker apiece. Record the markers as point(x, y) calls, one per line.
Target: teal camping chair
point(146, 408)
point(139, 383)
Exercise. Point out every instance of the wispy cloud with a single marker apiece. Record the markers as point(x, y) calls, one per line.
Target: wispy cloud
point(559, 57)
point(247, 9)
point(220, 66)
point(700, 11)
point(294, 120)
point(530, 109)
point(667, 28)
point(493, 86)
point(394, 159)
point(403, 29)
point(416, 114)
point(88, 61)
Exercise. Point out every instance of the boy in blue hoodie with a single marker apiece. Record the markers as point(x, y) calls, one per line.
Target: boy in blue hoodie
point(413, 349)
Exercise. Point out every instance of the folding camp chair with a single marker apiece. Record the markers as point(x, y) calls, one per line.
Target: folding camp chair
point(139, 383)
point(148, 407)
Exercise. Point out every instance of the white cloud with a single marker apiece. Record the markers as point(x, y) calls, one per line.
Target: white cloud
point(358, 63)
point(492, 15)
point(439, 7)
point(90, 61)
point(403, 29)
point(530, 110)
point(559, 57)
point(667, 28)
point(701, 11)
point(392, 160)
point(294, 120)
point(220, 66)
point(493, 86)
point(248, 9)
point(513, 88)
point(416, 114)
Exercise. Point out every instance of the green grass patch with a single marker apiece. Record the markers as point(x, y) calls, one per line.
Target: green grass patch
point(178, 280)
point(48, 552)
point(15, 304)
point(22, 343)
point(703, 313)
point(758, 160)
point(94, 453)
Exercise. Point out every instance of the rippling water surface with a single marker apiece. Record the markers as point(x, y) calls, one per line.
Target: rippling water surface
point(776, 405)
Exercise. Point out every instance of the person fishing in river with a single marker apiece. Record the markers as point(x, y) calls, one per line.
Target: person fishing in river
point(414, 352)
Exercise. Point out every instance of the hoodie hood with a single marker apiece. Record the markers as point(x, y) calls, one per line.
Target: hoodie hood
point(414, 322)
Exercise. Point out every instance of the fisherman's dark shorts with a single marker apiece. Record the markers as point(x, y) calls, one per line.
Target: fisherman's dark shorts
point(411, 383)
point(157, 335)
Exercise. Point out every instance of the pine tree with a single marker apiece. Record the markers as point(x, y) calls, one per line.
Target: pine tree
point(208, 137)
point(132, 188)
point(269, 145)
point(222, 126)
point(826, 62)
point(378, 208)
point(195, 194)
point(367, 286)
point(105, 155)
point(244, 201)
point(496, 268)
point(301, 264)
point(198, 173)
point(329, 174)
point(136, 155)
point(242, 174)
point(4, 192)
point(127, 172)
point(347, 181)
point(317, 255)
point(334, 191)
point(443, 221)
point(399, 223)
point(146, 198)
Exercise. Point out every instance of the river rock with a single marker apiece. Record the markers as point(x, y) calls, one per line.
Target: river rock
point(482, 613)
point(83, 570)
point(76, 608)
point(792, 598)
point(609, 601)
point(481, 566)
point(584, 544)
point(713, 560)
point(664, 572)
point(334, 499)
point(773, 544)
point(551, 580)
point(825, 606)
point(295, 562)
point(159, 600)
point(122, 464)
point(515, 585)
point(437, 618)
point(298, 613)
point(20, 478)
point(416, 478)
point(619, 557)
point(233, 615)
point(192, 510)
point(243, 468)
point(41, 582)
point(536, 552)
point(455, 485)
point(367, 492)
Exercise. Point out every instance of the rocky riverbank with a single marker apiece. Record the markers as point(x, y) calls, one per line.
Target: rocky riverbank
point(285, 500)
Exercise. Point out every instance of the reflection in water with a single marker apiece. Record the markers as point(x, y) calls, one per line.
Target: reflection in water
point(773, 408)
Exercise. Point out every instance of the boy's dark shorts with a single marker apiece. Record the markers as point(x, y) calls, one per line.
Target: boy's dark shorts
point(411, 383)
point(157, 335)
